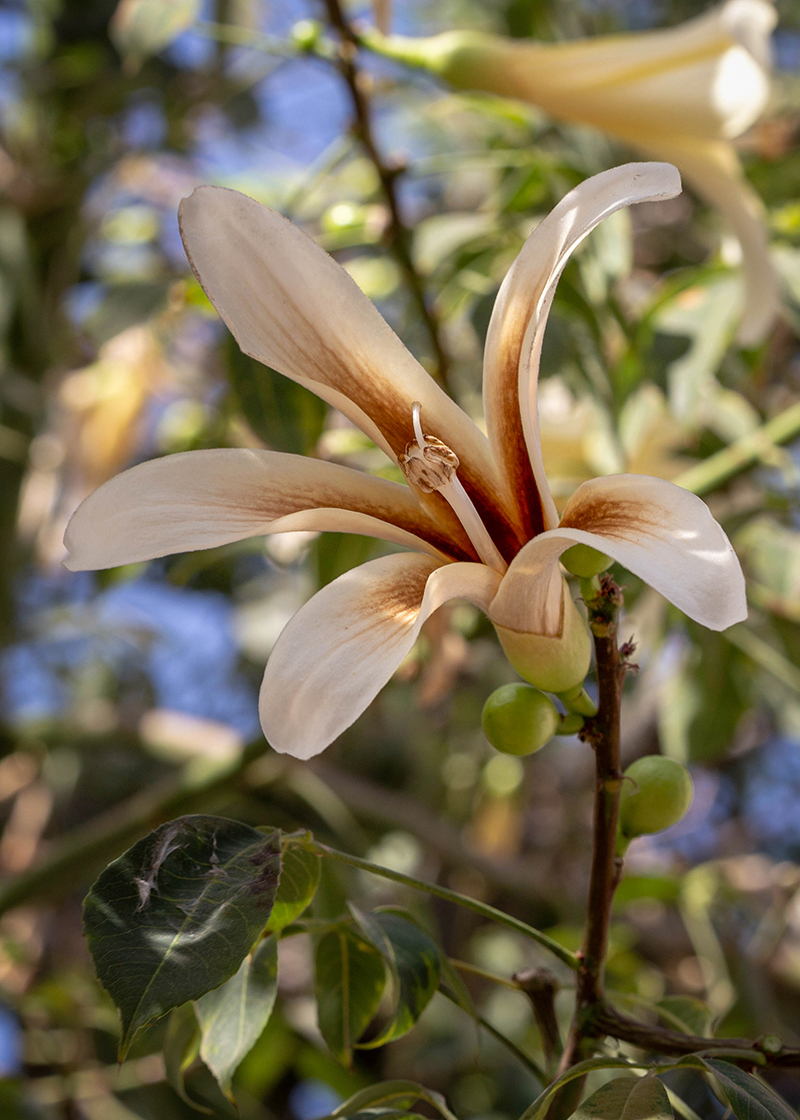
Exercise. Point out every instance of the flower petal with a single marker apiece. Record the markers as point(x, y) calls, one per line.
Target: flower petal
point(655, 529)
point(707, 77)
point(294, 308)
point(516, 330)
point(714, 171)
point(342, 647)
point(200, 499)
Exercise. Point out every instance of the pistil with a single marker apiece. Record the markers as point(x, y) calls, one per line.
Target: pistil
point(432, 465)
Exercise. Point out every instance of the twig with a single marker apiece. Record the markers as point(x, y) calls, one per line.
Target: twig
point(717, 469)
point(399, 238)
point(541, 986)
point(482, 908)
point(603, 600)
point(662, 1040)
point(528, 1062)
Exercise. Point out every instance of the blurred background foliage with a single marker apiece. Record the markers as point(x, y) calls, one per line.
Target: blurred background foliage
point(130, 696)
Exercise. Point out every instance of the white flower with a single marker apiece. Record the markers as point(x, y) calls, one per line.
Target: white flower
point(680, 94)
point(477, 511)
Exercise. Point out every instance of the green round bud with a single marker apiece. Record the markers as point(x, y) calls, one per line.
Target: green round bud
point(518, 719)
point(657, 796)
point(584, 561)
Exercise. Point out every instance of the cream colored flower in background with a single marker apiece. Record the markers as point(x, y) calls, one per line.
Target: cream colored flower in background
point(681, 94)
point(477, 511)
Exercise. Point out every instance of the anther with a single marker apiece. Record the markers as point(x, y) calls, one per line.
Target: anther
point(431, 465)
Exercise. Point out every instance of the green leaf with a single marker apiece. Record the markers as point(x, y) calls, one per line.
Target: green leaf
point(402, 1093)
point(233, 1016)
point(648, 1101)
point(749, 1098)
point(286, 416)
point(688, 1014)
point(350, 980)
point(181, 1047)
point(627, 1098)
point(539, 1109)
point(300, 871)
point(414, 963)
point(175, 916)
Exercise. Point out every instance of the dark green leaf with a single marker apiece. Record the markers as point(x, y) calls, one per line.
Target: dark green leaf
point(300, 871)
point(749, 1098)
point(233, 1016)
point(350, 980)
point(414, 963)
point(175, 916)
point(286, 416)
point(402, 1093)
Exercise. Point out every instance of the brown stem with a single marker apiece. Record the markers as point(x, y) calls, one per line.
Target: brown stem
point(603, 733)
point(607, 1020)
point(541, 986)
point(399, 238)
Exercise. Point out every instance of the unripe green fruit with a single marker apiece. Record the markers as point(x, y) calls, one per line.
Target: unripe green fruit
point(584, 561)
point(657, 796)
point(518, 719)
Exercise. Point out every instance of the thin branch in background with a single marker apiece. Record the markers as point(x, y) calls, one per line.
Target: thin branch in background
point(399, 236)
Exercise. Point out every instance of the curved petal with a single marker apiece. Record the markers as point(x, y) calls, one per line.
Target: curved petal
point(200, 499)
point(516, 330)
point(291, 306)
point(342, 647)
point(658, 531)
point(714, 171)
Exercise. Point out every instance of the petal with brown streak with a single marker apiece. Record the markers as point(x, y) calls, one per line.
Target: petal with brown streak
point(516, 330)
point(655, 529)
point(342, 647)
point(201, 499)
point(291, 306)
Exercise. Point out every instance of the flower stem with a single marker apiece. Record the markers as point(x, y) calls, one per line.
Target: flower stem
point(603, 733)
point(481, 908)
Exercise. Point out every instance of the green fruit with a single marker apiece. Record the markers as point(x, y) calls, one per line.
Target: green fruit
point(518, 719)
point(657, 796)
point(584, 561)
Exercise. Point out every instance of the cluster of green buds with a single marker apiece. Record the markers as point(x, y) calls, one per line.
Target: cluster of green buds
point(656, 794)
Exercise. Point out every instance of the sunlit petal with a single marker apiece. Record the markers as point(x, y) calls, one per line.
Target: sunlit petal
point(200, 499)
point(516, 330)
point(658, 531)
point(291, 306)
point(342, 647)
